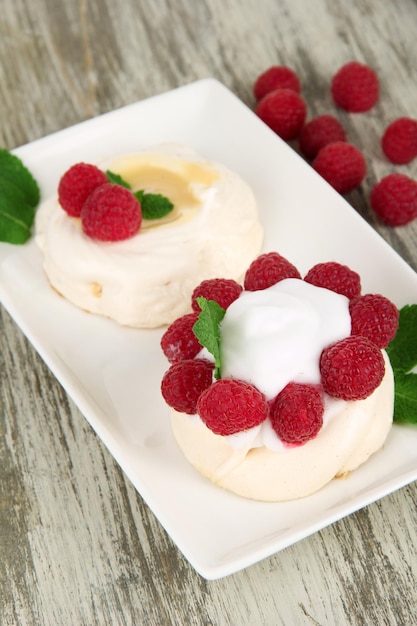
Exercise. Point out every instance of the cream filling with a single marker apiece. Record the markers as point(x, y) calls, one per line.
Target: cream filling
point(147, 281)
point(257, 467)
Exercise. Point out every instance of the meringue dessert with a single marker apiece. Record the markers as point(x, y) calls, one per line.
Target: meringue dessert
point(272, 339)
point(146, 280)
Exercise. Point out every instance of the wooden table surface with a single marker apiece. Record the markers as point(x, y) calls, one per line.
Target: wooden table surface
point(77, 543)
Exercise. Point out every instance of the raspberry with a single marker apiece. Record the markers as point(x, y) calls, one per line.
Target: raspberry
point(276, 77)
point(342, 165)
point(111, 213)
point(355, 87)
point(319, 132)
point(223, 290)
point(336, 277)
point(268, 269)
point(178, 341)
point(184, 382)
point(399, 141)
point(297, 413)
point(76, 185)
point(284, 111)
point(351, 369)
point(394, 199)
point(375, 317)
point(230, 405)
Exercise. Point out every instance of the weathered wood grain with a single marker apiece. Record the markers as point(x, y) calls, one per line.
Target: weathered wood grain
point(77, 543)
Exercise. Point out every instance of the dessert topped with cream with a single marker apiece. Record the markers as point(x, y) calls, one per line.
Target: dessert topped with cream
point(283, 384)
point(130, 240)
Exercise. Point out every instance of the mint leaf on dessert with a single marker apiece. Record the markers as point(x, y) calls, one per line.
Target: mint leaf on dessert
point(405, 399)
point(154, 205)
point(207, 329)
point(116, 179)
point(402, 350)
point(14, 172)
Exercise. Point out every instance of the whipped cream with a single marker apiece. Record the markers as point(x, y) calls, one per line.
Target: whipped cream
point(147, 280)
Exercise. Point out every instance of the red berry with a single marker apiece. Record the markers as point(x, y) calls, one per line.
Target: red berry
point(399, 141)
point(184, 382)
point(394, 199)
point(297, 413)
point(230, 406)
point(268, 269)
point(355, 87)
point(319, 132)
point(179, 341)
point(111, 213)
point(77, 184)
point(223, 290)
point(276, 77)
point(351, 369)
point(336, 277)
point(342, 165)
point(375, 317)
point(284, 111)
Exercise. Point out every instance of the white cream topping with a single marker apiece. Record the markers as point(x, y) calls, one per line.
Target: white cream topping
point(147, 281)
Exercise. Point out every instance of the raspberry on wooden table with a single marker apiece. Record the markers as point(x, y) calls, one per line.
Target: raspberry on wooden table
point(184, 382)
point(297, 413)
point(394, 199)
point(268, 269)
point(78, 182)
point(319, 132)
point(276, 77)
point(179, 341)
point(342, 165)
point(336, 277)
point(355, 87)
point(374, 316)
point(399, 141)
point(224, 291)
point(111, 213)
point(284, 111)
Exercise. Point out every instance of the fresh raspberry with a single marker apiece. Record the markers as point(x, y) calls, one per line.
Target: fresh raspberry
point(297, 413)
point(355, 87)
point(394, 199)
point(184, 382)
point(268, 269)
point(223, 290)
point(284, 111)
point(319, 132)
point(111, 213)
point(399, 141)
point(375, 317)
point(179, 341)
point(76, 185)
point(351, 369)
point(276, 77)
point(230, 406)
point(342, 165)
point(336, 277)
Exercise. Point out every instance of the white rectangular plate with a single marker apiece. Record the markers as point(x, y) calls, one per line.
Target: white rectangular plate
point(113, 374)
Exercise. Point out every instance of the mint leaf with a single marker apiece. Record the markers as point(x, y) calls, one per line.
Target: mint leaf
point(207, 329)
point(154, 205)
point(402, 350)
point(116, 179)
point(405, 400)
point(13, 171)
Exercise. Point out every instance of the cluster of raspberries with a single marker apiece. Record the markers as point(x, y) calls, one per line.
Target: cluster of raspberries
point(323, 141)
point(351, 369)
point(108, 211)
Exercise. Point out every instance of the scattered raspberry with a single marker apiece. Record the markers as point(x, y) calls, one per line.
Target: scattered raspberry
point(319, 132)
point(268, 269)
point(230, 406)
point(284, 111)
point(297, 413)
point(184, 382)
point(399, 141)
point(336, 277)
point(223, 290)
point(342, 165)
point(355, 87)
point(77, 184)
point(375, 317)
point(351, 369)
point(178, 341)
point(111, 213)
point(394, 199)
point(276, 77)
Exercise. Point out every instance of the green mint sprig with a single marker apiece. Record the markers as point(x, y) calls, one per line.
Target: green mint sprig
point(207, 330)
point(19, 197)
point(154, 205)
point(402, 352)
